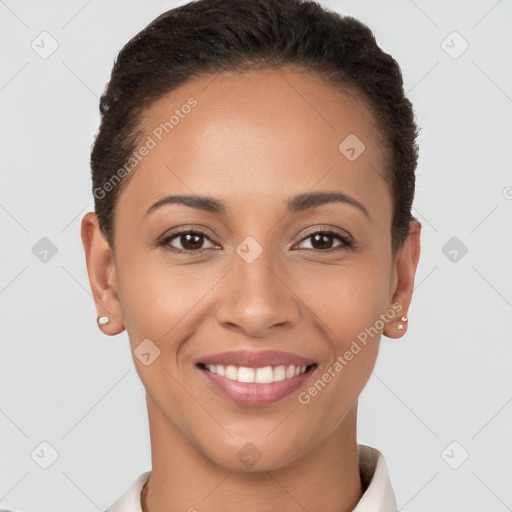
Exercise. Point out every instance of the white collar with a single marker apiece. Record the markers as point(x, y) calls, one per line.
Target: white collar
point(373, 469)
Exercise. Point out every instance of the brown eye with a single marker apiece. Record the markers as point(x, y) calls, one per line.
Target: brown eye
point(188, 241)
point(191, 241)
point(323, 241)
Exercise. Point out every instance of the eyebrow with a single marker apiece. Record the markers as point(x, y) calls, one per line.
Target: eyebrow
point(298, 203)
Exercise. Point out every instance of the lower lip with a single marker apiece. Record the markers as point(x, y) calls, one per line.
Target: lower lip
point(252, 394)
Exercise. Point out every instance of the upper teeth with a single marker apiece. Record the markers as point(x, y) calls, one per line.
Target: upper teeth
point(260, 375)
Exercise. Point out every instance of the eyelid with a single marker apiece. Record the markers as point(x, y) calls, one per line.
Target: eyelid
point(327, 229)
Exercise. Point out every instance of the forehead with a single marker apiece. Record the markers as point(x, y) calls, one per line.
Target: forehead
point(260, 134)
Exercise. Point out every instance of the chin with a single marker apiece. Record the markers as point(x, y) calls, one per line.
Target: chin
point(245, 456)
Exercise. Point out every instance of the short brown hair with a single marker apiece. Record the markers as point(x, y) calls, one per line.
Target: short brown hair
point(210, 36)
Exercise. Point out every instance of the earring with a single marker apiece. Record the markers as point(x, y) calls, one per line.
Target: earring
point(403, 319)
point(102, 320)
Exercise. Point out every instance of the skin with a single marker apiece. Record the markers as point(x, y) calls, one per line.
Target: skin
point(253, 141)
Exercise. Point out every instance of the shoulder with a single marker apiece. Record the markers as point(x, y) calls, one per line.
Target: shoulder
point(378, 492)
point(130, 500)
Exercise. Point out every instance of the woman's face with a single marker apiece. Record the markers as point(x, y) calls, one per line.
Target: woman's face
point(273, 160)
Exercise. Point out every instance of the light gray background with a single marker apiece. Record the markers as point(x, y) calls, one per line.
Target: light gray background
point(449, 379)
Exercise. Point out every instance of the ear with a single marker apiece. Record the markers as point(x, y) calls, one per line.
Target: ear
point(404, 271)
point(102, 274)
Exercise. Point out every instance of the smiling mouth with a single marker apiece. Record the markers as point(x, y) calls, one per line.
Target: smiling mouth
point(256, 386)
point(259, 375)
point(255, 378)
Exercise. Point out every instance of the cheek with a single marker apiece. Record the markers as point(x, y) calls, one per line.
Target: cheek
point(349, 302)
point(348, 297)
point(334, 391)
point(158, 299)
point(160, 304)
point(352, 326)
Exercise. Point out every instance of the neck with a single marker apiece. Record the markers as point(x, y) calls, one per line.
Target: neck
point(325, 478)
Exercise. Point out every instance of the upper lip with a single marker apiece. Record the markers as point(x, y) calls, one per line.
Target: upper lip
point(254, 359)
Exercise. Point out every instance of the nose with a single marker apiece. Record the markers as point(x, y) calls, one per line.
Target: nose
point(257, 298)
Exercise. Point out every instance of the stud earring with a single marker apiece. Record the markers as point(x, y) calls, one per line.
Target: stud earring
point(102, 320)
point(403, 319)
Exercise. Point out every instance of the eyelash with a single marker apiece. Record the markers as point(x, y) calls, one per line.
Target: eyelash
point(347, 243)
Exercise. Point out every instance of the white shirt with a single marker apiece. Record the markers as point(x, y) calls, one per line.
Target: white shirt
point(378, 496)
